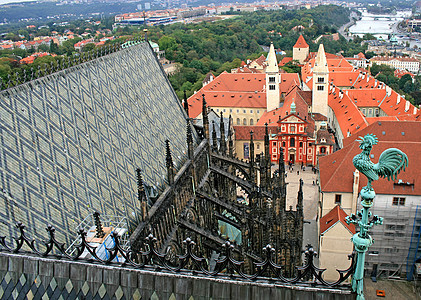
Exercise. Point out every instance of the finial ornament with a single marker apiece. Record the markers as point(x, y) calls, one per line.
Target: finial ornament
point(391, 162)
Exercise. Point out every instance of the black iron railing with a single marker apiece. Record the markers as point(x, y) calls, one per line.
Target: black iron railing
point(151, 258)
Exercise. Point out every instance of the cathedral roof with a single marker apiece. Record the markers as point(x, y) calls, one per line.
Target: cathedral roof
point(94, 123)
point(301, 43)
point(336, 169)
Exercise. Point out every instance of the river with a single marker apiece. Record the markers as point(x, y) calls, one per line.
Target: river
point(381, 26)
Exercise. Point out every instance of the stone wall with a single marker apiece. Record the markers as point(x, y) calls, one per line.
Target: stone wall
point(33, 277)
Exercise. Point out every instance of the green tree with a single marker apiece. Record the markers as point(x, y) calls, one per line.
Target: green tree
point(54, 48)
point(43, 48)
point(88, 47)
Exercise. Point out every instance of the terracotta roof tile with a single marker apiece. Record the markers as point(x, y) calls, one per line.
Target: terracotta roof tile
point(301, 43)
point(336, 215)
point(336, 169)
point(272, 117)
point(238, 90)
point(284, 61)
point(349, 117)
point(243, 132)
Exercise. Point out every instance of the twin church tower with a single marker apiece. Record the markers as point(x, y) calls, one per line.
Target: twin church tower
point(320, 80)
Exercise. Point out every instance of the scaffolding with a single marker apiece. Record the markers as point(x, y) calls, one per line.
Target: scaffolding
point(394, 240)
point(414, 252)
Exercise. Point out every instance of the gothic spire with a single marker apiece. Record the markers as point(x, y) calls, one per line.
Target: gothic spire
point(251, 147)
point(170, 165)
point(214, 141)
point(230, 141)
point(190, 149)
point(267, 157)
point(252, 175)
point(300, 197)
point(141, 194)
point(222, 142)
point(205, 118)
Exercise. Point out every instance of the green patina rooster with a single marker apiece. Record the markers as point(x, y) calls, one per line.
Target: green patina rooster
point(391, 161)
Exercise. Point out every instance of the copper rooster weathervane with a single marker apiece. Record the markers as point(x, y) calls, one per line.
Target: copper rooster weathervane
point(391, 162)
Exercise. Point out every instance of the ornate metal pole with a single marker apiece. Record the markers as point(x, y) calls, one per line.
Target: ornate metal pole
point(391, 162)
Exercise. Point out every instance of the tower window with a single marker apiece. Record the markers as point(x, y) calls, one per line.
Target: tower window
point(320, 79)
point(272, 87)
point(271, 79)
point(320, 88)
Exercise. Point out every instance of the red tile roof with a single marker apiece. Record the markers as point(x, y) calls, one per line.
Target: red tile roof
point(301, 108)
point(399, 73)
point(348, 116)
point(284, 61)
point(243, 132)
point(336, 215)
point(238, 90)
point(301, 43)
point(336, 169)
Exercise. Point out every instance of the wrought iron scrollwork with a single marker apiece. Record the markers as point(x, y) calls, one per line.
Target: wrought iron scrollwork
point(151, 258)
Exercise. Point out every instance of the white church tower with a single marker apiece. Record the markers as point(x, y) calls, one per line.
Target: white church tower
point(272, 80)
point(320, 83)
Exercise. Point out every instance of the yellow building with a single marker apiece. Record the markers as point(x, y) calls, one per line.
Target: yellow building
point(335, 242)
